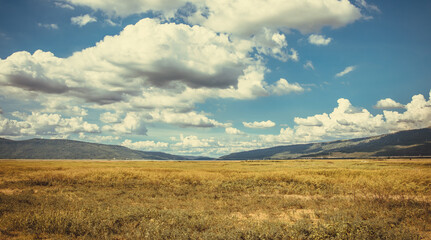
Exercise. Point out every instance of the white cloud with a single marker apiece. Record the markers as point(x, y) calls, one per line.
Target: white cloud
point(388, 103)
point(273, 43)
point(44, 124)
point(111, 23)
point(109, 117)
point(417, 115)
point(263, 124)
point(177, 67)
point(347, 121)
point(319, 40)
point(309, 65)
point(48, 26)
point(98, 138)
point(345, 71)
point(233, 131)
point(189, 119)
point(195, 142)
point(64, 5)
point(367, 6)
point(245, 17)
point(282, 87)
point(131, 124)
point(144, 145)
point(242, 16)
point(83, 20)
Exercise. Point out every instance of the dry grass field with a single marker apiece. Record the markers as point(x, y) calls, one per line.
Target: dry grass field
point(298, 199)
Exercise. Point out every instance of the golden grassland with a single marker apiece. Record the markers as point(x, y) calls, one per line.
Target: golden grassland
point(297, 199)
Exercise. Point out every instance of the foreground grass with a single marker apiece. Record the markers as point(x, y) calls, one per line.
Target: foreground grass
point(320, 199)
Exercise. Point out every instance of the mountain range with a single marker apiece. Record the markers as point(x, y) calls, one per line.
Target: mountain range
point(411, 143)
point(402, 144)
point(69, 149)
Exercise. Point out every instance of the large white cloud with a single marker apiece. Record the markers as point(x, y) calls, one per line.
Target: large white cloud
point(177, 67)
point(347, 121)
point(247, 17)
point(241, 16)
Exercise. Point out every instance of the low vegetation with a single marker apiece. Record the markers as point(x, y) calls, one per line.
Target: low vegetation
point(301, 199)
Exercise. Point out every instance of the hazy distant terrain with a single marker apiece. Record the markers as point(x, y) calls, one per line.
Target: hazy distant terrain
point(405, 143)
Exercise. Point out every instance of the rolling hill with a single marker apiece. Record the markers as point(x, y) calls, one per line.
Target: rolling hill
point(68, 149)
point(405, 143)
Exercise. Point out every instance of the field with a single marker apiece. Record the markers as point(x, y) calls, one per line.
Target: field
point(298, 199)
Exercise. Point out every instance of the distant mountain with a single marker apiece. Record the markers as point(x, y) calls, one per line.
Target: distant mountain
point(405, 143)
point(68, 149)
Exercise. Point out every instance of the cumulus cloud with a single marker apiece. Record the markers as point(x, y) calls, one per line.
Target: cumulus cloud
point(188, 119)
point(109, 117)
point(282, 87)
point(83, 20)
point(263, 124)
point(144, 145)
point(131, 124)
point(233, 131)
point(246, 17)
point(195, 142)
point(388, 103)
point(48, 26)
point(44, 124)
point(178, 66)
point(345, 71)
point(241, 16)
point(273, 43)
point(348, 121)
point(319, 40)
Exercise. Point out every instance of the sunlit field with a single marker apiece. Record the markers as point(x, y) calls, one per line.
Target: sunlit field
point(298, 199)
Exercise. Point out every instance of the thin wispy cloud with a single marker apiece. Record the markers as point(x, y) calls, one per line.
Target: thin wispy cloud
point(64, 5)
point(309, 65)
point(347, 70)
point(48, 26)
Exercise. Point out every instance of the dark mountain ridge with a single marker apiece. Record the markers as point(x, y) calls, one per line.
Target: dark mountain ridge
point(70, 149)
point(404, 143)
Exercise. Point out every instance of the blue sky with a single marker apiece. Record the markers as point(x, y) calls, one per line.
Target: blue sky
point(213, 77)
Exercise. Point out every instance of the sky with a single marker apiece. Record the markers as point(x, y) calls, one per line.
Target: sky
point(212, 77)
